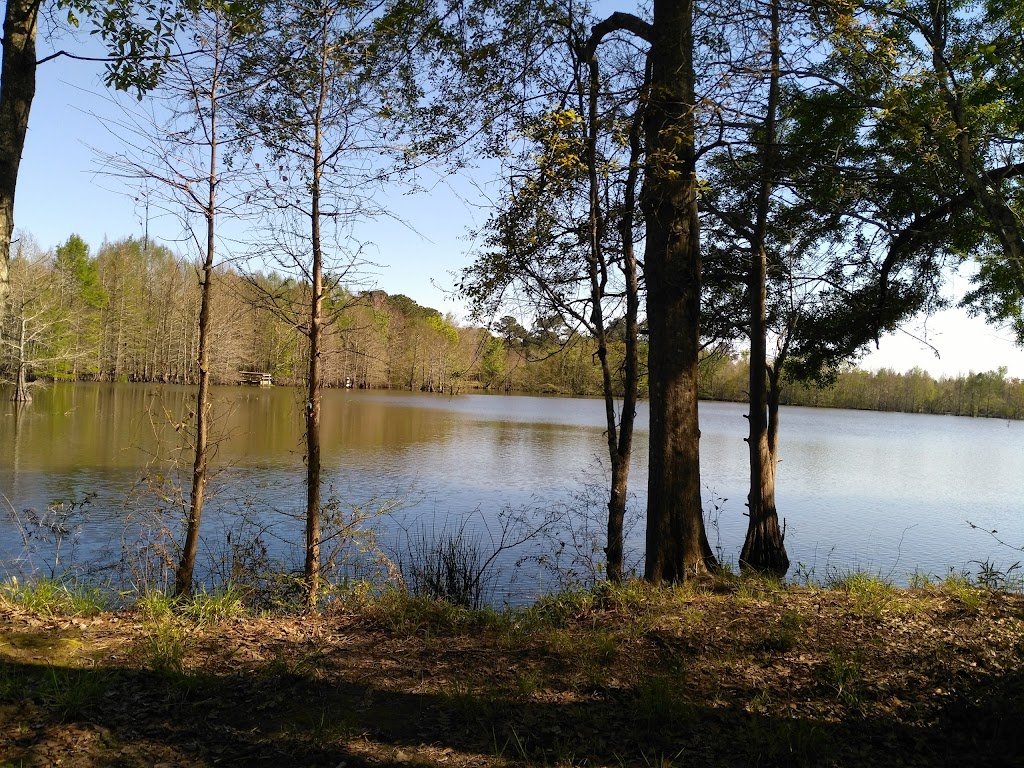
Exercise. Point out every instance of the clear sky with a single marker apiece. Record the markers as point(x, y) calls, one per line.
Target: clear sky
point(60, 192)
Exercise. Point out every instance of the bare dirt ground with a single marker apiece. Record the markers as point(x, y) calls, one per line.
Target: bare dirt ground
point(733, 674)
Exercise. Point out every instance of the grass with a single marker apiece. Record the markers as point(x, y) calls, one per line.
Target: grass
point(870, 594)
point(69, 693)
point(782, 635)
point(55, 597)
point(661, 700)
point(843, 671)
point(734, 671)
point(164, 648)
point(969, 595)
point(199, 609)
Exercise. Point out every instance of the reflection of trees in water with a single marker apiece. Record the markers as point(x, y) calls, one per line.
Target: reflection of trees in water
point(439, 456)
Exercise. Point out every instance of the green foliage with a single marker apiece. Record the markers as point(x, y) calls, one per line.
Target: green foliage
point(206, 608)
point(997, 579)
point(784, 635)
point(943, 87)
point(990, 394)
point(404, 613)
point(71, 692)
point(139, 35)
point(492, 366)
point(130, 313)
point(843, 672)
point(969, 595)
point(73, 263)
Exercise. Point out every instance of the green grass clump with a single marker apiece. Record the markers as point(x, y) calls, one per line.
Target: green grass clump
point(967, 593)
point(199, 609)
point(66, 693)
point(55, 597)
point(70, 692)
point(403, 613)
point(165, 647)
point(869, 594)
point(211, 607)
point(844, 673)
point(784, 635)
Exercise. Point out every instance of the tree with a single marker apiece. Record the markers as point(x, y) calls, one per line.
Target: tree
point(562, 244)
point(943, 83)
point(823, 235)
point(138, 34)
point(763, 547)
point(180, 156)
point(83, 298)
point(35, 321)
point(677, 543)
point(326, 99)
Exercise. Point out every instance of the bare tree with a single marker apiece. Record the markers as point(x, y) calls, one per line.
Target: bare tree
point(177, 151)
point(322, 117)
point(35, 321)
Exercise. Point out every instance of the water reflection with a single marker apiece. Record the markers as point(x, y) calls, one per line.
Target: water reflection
point(890, 492)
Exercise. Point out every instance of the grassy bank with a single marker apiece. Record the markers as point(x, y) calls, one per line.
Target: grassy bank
point(731, 672)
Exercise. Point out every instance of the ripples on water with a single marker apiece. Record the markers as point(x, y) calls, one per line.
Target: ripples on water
point(890, 493)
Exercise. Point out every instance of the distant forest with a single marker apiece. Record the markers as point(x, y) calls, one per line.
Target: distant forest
point(130, 313)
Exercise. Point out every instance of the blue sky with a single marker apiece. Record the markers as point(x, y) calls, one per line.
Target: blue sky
point(60, 192)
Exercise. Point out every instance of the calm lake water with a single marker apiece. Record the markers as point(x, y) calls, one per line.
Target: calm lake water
point(891, 493)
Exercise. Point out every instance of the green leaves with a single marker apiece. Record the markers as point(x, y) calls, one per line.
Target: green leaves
point(138, 35)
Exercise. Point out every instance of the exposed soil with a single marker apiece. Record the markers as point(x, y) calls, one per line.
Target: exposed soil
point(735, 675)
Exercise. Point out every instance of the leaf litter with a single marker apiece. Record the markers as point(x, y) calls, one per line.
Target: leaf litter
point(787, 676)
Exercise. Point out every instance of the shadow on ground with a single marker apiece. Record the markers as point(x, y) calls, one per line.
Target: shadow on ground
point(118, 716)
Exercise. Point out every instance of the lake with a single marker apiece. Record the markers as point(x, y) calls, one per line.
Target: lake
point(889, 493)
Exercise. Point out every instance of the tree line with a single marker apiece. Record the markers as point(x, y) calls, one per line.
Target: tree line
point(130, 313)
point(990, 394)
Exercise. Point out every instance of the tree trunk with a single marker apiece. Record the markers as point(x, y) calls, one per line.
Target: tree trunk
point(622, 452)
point(21, 393)
point(312, 565)
point(677, 544)
point(618, 432)
point(186, 565)
point(763, 548)
point(17, 89)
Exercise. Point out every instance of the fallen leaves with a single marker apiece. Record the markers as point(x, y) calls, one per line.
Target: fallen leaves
point(793, 676)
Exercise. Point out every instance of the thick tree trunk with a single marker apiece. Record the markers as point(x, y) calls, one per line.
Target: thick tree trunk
point(17, 89)
point(677, 544)
point(763, 549)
